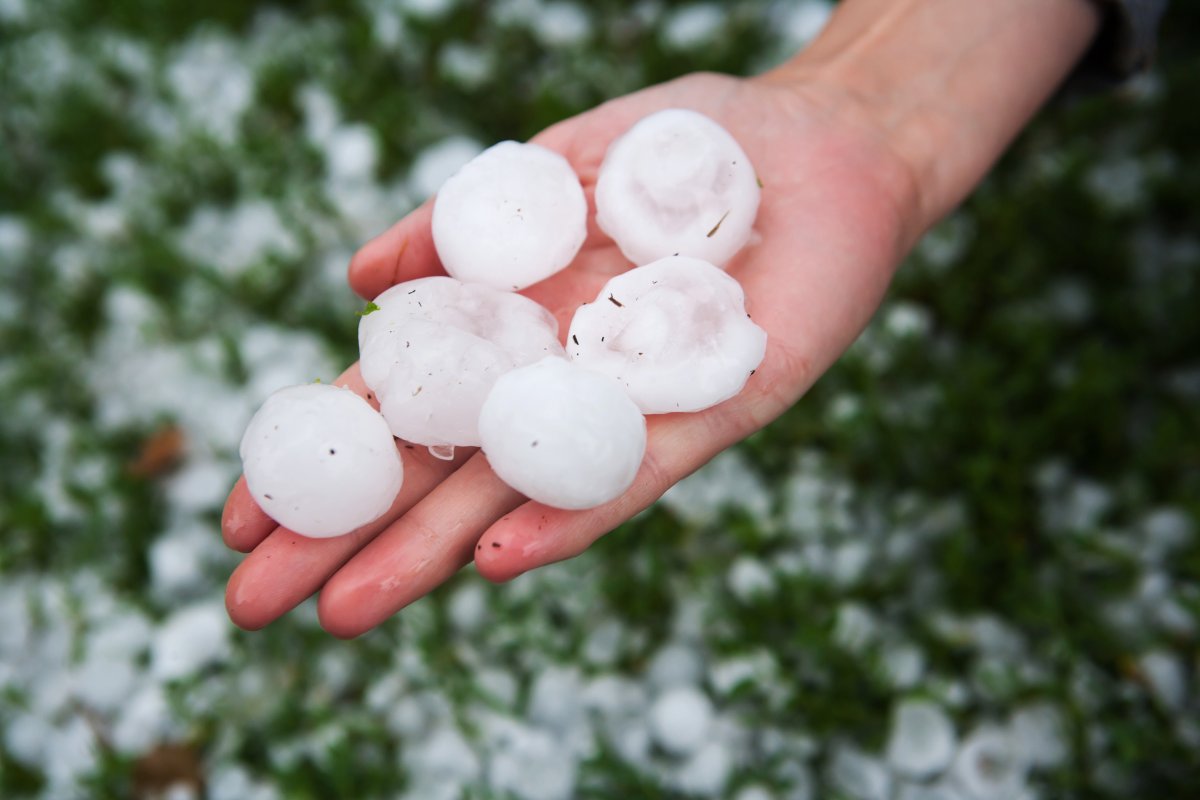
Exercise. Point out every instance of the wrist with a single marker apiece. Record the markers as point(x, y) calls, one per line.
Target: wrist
point(946, 84)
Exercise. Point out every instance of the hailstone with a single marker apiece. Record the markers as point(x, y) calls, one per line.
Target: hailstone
point(674, 333)
point(512, 216)
point(562, 435)
point(677, 183)
point(320, 460)
point(433, 347)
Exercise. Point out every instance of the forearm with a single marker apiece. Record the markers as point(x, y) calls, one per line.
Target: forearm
point(949, 83)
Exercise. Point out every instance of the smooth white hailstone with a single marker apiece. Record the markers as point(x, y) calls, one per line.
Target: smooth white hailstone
point(320, 461)
point(680, 718)
point(922, 740)
point(677, 183)
point(562, 435)
point(512, 216)
point(435, 347)
point(674, 333)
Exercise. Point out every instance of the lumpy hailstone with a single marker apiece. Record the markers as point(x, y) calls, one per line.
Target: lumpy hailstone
point(562, 435)
point(674, 333)
point(512, 216)
point(677, 183)
point(320, 461)
point(435, 347)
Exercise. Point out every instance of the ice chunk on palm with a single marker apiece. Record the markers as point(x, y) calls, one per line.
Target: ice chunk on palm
point(677, 183)
point(562, 435)
point(674, 333)
point(512, 216)
point(320, 461)
point(434, 348)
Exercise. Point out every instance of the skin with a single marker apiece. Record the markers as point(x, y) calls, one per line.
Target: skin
point(864, 140)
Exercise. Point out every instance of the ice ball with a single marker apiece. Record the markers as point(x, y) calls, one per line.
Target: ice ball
point(512, 216)
point(434, 347)
point(320, 461)
point(677, 183)
point(674, 333)
point(562, 435)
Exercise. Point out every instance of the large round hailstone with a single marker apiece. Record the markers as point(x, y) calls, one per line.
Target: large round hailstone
point(674, 333)
point(562, 435)
point(435, 346)
point(512, 216)
point(320, 461)
point(677, 183)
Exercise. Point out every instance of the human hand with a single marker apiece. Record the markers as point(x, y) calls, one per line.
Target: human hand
point(832, 228)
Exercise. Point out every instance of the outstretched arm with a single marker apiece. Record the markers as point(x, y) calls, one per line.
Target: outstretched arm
point(862, 142)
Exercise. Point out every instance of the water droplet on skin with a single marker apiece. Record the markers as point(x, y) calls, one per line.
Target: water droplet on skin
point(443, 451)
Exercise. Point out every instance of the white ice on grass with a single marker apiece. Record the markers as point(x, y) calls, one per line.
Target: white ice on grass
point(427, 9)
point(989, 765)
point(562, 435)
point(562, 24)
point(234, 782)
point(352, 153)
point(675, 664)
point(749, 579)
point(937, 791)
point(725, 482)
point(190, 640)
point(802, 21)
point(434, 165)
point(144, 721)
point(440, 757)
point(467, 608)
point(1040, 733)
point(104, 685)
point(756, 668)
point(603, 644)
point(693, 25)
point(674, 333)
point(620, 705)
point(922, 741)
point(1165, 531)
point(178, 561)
point(14, 239)
point(680, 720)
point(677, 183)
point(555, 700)
point(13, 11)
point(320, 460)
point(527, 762)
point(902, 664)
point(1164, 674)
point(754, 792)
point(435, 347)
point(234, 240)
point(72, 751)
point(706, 772)
point(858, 775)
point(512, 216)
point(213, 84)
point(469, 66)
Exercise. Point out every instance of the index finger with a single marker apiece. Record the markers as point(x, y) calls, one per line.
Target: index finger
point(403, 252)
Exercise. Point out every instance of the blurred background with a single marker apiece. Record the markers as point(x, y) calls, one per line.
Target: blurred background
point(965, 566)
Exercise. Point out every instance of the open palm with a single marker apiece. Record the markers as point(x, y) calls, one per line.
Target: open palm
point(833, 224)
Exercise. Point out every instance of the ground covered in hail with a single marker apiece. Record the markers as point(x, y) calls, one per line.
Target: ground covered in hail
point(965, 566)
